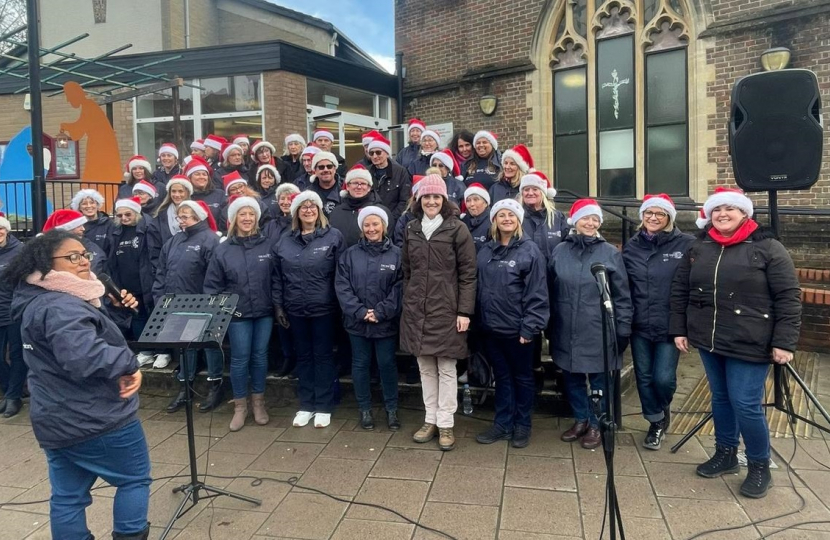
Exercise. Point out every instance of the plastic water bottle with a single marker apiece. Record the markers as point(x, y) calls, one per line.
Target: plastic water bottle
point(468, 401)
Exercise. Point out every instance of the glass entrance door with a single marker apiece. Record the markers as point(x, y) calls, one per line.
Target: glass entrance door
point(347, 128)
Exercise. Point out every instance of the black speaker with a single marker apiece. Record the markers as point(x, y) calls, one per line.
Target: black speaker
point(775, 132)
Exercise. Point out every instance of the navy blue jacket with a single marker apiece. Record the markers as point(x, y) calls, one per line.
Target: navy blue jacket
point(243, 266)
point(479, 227)
point(419, 164)
point(99, 231)
point(330, 199)
point(222, 222)
point(99, 259)
point(483, 172)
point(184, 260)
point(157, 233)
point(125, 191)
point(76, 355)
point(220, 172)
point(651, 265)
point(277, 228)
point(145, 269)
point(511, 289)
point(304, 268)
point(535, 227)
point(370, 276)
point(214, 199)
point(455, 190)
point(400, 228)
point(291, 169)
point(502, 190)
point(407, 154)
point(576, 321)
point(344, 216)
point(7, 254)
point(160, 176)
point(303, 181)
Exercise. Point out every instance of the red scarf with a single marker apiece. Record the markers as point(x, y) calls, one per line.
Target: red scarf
point(746, 228)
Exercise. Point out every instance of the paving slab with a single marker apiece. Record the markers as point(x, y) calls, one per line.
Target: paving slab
point(310, 434)
point(540, 473)
point(407, 464)
point(249, 440)
point(407, 497)
point(304, 515)
point(634, 493)
point(352, 529)
point(467, 485)
point(342, 477)
point(461, 521)
point(285, 456)
point(540, 511)
point(687, 517)
point(356, 445)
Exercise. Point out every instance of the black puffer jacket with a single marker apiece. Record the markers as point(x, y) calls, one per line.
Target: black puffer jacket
point(651, 264)
point(511, 292)
point(370, 276)
point(739, 301)
point(393, 188)
point(292, 168)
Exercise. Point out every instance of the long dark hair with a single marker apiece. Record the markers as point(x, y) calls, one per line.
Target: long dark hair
point(465, 136)
point(36, 255)
point(448, 209)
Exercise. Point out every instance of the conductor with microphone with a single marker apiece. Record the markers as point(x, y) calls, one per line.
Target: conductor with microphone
point(84, 384)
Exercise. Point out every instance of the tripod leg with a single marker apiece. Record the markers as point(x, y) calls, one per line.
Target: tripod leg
point(220, 491)
point(794, 374)
point(691, 434)
point(188, 493)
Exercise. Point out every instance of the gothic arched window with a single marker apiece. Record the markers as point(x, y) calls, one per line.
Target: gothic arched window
point(620, 104)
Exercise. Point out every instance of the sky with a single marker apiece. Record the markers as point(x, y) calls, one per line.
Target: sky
point(368, 23)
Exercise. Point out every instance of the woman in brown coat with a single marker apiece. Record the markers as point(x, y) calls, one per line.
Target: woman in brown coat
point(439, 293)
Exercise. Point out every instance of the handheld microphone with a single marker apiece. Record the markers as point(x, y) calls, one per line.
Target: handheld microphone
point(599, 271)
point(112, 288)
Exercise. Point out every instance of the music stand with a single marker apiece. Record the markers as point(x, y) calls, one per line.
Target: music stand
point(191, 321)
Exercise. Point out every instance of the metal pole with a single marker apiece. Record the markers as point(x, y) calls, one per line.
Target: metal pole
point(399, 73)
point(38, 181)
point(177, 120)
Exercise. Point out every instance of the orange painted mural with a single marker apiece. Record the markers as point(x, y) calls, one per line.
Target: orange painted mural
point(102, 162)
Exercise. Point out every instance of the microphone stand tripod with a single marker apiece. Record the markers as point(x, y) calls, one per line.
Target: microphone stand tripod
point(604, 410)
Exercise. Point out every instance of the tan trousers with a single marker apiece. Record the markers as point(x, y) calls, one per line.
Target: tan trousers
point(439, 383)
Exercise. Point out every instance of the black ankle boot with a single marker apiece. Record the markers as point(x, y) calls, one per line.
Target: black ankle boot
point(725, 461)
point(178, 401)
point(758, 479)
point(366, 420)
point(143, 535)
point(392, 421)
point(3, 405)
point(13, 407)
point(214, 397)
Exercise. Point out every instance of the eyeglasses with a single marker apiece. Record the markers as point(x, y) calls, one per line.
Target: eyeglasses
point(375, 152)
point(182, 219)
point(325, 167)
point(659, 215)
point(237, 188)
point(75, 258)
point(127, 215)
point(358, 184)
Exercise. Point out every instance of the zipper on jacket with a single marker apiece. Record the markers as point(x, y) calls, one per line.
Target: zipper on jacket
point(715, 300)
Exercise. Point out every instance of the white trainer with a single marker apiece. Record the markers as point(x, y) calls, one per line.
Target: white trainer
point(302, 418)
point(144, 358)
point(322, 420)
point(161, 361)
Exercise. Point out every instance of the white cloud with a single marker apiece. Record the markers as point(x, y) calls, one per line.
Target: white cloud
point(388, 62)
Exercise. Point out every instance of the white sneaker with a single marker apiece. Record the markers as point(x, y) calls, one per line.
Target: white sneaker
point(161, 361)
point(463, 379)
point(302, 418)
point(322, 420)
point(144, 358)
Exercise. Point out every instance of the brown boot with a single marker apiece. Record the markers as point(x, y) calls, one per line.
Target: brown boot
point(577, 430)
point(425, 434)
point(446, 440)
point(258, 405)
point(592, 438)
point(240, 413)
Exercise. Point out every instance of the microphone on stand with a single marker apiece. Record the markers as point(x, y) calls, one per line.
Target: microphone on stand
point(600, 274)
point(113, 289)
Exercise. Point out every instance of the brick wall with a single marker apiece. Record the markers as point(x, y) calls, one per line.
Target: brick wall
point(285, 104)
point(727, 9)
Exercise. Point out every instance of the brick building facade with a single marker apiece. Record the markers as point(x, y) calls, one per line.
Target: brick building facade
point(456, 52)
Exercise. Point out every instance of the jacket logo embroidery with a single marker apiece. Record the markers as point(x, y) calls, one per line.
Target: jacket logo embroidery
point(321, 249)
point(329, 207)
point(265, 257)
point(28, 347)
point(196, 248)
point(387, 267)
point(511, 264)
point(555, 233)
point(673, 255)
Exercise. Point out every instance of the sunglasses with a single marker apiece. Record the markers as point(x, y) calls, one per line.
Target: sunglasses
point(119, 216)
point(325, 167)
point(375, 152)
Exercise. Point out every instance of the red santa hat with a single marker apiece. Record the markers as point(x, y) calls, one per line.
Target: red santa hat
point(181, 180)
point(369, 136)
point(146, 187)
point(201, 210)
point(322, 133)
point(198, 164)
point(538, 180)
point(169, 148)
point(300, 198)
point(521, 155)
point(233, 178)
point(131, 203)
point(448, 160)
point(294, 137)
point(416, 179)
point(309, 151)
point(85, 194)
point(728, 196)
point(241, 139)
point(582, 208)
point(358, 172)
point(508, 204)
point(660, 200)
point(415, 124)
point(367, 211)
point(701, 220)
point(269, 167)
point(379, 142)
point(138, 161)
point(490, 136)
point(228, 148)
point(65, 220)
point(263, 144)
point(215, 141)
point(432, 135)
point(198, 144)
point(237, 203)
point(477, 189)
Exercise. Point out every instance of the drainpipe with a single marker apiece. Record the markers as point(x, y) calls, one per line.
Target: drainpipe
point(399, 73)
point(186, 24)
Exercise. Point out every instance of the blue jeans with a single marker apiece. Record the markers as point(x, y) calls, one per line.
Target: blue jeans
point(13, 374)
point(215, 364)
point(385, 349)
point(138, 321)
point(578, 396)
point(249, 354)
point(737, 388)
point(316, 373)
point(512, 364)
point(121, 458)
point(655, 368)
